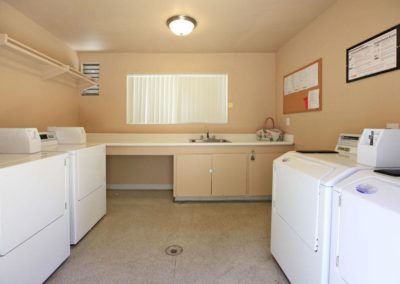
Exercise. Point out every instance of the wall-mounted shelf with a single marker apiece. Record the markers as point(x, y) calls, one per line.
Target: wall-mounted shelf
point(17, 54)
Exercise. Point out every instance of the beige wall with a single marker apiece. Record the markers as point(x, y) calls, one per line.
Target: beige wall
point(140, 170)
point(251, 89)
point(370, 102)
point(26, 99)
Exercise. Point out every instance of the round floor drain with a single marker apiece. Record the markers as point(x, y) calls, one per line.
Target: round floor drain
point(174, 250)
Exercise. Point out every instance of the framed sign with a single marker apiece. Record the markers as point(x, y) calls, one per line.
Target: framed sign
point(374, 56)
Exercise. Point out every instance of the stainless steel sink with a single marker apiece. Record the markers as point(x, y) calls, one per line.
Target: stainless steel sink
point(209, 140)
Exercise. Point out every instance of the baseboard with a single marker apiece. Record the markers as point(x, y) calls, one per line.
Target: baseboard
point(223, 198)
point(135, 186)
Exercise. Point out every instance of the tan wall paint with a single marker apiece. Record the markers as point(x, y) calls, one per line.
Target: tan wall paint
point(251, 89)
point(139, 170)
point(349, 107)
point(26, 99)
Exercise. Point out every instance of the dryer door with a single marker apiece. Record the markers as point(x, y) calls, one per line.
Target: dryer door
point(296, 195)
point(91, 170)
point(369, 232)
point(32, 196)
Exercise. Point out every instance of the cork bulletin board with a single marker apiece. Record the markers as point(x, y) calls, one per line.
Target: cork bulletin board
point(302, 89)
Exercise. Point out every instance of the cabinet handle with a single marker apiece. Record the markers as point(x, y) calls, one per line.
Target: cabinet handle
point(253, 156)
point(210, 171)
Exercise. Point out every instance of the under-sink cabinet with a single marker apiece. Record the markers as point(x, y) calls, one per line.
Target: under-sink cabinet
point(211, 175)
point(241, 175)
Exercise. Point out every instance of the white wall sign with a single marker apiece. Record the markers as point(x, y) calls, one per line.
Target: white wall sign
point(374, 56)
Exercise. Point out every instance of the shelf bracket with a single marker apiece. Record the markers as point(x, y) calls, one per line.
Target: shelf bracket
point(85, 85)
point(3, 39)
point(52, 72)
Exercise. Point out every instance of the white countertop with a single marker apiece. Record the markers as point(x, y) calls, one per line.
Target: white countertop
point(171, 140)
point(7, 160)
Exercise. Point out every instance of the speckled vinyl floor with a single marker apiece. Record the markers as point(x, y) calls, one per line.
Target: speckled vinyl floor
point(222, 243)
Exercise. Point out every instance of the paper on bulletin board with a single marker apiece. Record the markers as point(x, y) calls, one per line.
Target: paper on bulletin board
point(313, 99)
point(301, 80)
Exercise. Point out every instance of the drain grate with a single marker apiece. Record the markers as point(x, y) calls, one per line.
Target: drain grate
point(174, 250)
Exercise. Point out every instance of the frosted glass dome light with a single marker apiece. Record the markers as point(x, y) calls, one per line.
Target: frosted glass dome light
point(181, 25)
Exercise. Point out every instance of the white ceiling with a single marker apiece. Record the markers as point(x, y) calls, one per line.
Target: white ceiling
point(139, 25)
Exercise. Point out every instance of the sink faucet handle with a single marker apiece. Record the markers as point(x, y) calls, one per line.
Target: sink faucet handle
point(208, 134)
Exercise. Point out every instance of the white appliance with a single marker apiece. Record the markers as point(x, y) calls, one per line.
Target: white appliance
point(301, 209)
point(68, 135)
point(379, 147)
point(34, 217)
point(366, 230)
point(19, 140)
point(87, 180)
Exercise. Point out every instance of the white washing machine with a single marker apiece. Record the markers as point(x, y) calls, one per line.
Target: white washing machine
point(301, 208)
point(34, 217)
point(87, 183)
point(301, 212)
point(366, 230)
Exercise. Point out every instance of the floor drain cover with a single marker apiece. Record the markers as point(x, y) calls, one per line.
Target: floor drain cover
point(174, 250)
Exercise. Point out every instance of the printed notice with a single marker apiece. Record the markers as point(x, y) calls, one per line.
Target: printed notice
point(301, 80)
point(374, 56)
point(313, 99)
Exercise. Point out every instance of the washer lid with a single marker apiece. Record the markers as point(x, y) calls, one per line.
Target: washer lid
point(369, 229)
point(380, 190)
point(342, 166)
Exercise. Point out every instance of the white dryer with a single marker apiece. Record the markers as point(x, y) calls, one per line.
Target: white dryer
point(34, 217)
point(366, 230)
point(87, 182)
point(301, 212)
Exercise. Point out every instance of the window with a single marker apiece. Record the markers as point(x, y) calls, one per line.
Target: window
point(177, 98)
point(92, 70)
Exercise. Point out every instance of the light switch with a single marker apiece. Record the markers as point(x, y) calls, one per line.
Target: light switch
point(287, 121)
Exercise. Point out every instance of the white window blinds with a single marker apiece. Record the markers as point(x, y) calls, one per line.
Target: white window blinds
point(177, 98)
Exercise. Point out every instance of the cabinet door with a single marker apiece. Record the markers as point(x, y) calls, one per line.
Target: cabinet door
point(229, 175)
point(260, 174)
point(193, 175)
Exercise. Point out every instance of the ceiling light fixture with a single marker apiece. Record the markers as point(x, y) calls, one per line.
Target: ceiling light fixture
point(181, 25)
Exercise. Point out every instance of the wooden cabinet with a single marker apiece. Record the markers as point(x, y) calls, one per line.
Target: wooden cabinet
point(260, 174)
point(229, 175)
point(211, 175)
point(193, 175)
point(225, 173)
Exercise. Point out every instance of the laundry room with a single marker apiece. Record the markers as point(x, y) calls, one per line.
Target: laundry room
point(256, 144)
